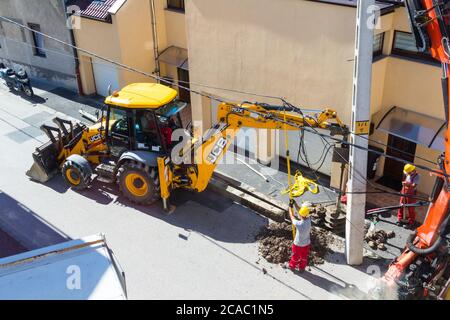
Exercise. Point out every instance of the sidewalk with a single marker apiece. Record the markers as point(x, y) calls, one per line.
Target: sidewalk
point(66, 101)
point(277, 179)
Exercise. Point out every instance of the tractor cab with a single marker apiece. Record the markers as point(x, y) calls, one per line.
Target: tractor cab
point(142, 117)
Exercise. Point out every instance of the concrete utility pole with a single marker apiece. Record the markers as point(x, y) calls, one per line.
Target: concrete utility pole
point(362, 80)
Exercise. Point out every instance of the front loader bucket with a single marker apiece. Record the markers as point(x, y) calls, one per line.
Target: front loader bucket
point(45, 164)
point(46, 157)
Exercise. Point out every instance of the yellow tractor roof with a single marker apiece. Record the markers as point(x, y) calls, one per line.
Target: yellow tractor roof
point(142, 95)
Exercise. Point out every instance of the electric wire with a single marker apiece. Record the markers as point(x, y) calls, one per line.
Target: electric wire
point(397, 149)
point(158, 78)
point(131, 69)
point(214, 97)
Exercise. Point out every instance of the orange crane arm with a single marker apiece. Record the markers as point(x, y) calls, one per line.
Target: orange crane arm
point(430, 25)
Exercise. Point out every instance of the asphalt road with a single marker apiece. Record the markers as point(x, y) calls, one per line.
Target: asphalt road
point(206, 249)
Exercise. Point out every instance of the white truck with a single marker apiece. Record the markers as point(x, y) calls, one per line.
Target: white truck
point(75, 270)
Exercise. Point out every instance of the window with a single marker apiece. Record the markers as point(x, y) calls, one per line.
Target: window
point(405, 45)
point(38, 40)
point(378, 43)
point(175, 5)
point(184, 94)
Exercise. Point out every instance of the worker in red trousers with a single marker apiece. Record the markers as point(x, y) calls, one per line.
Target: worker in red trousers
point(302, 241)
point(410, 184)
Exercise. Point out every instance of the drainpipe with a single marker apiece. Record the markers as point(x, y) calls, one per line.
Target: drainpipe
point(75, 52)
point(155, 38)
point(77, 64)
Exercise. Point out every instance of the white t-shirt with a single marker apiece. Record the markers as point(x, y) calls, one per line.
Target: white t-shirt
point(303, 232)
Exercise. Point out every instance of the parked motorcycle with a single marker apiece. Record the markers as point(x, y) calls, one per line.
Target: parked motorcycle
point(18, 81)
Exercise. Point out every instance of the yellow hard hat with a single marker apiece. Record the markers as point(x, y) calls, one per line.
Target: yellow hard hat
point(304, 211)
point(409, 168)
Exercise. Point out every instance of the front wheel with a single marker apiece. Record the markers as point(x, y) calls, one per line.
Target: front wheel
point(139, 183)
point(77, 172)
point(28, 91)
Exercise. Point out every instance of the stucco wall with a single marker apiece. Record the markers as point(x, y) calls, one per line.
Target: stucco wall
point(303, 51)
point(268, 47)
point(128, 40)
point(136, 40)
point(58, 66)
point(409, 84)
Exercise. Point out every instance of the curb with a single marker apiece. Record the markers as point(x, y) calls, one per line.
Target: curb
point(248, 196)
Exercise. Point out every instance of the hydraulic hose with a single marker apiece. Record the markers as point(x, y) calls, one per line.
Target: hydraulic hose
point(425, 251)
point(434, 246)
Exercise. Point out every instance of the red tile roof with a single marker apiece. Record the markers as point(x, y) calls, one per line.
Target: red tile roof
point(94, 9)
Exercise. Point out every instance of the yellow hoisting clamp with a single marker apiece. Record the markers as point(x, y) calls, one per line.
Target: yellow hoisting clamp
point(301, 184)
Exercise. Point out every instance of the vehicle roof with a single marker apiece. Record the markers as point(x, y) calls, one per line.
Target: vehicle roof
point(43, 273)
point(142, 96)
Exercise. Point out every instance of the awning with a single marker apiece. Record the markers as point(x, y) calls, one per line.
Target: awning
point(413, 126)
point(175, 56)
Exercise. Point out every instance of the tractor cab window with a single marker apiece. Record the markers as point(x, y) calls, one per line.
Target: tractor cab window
point(118, 131)
point(118, 122)
point(146, 131)
point(170, 114)
point(154, 128)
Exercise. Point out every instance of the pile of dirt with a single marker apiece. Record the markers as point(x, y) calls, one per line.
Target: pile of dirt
point(376, 239)
point(275, 242)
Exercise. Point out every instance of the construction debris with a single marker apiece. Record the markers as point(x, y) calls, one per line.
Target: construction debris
point(275, 242)
point(328, 217)
point(376, 239)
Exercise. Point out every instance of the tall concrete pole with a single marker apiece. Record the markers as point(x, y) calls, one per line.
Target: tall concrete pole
point(362, 80)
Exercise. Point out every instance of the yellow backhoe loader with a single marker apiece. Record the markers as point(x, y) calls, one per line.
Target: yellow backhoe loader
point(132, 143)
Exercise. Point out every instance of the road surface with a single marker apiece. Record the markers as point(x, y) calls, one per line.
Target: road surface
point(205, 250)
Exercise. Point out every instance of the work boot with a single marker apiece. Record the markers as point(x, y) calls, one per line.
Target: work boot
point(286, 266)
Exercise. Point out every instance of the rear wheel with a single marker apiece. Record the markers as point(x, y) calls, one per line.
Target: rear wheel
point(139, 183)
point(77, 172)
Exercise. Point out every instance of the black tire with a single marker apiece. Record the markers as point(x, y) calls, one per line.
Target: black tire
point(147, 182)
point(28, 91)
point(77, 173)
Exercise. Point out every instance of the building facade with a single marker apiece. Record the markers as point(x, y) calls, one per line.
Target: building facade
point(303, 51)
point(42, 58)
point(149, 36)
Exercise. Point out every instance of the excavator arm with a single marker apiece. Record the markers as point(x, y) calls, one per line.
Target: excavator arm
point(207, 152)
point(425, 258)
point(233, 117)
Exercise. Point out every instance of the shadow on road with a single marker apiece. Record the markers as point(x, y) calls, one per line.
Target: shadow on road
point(25, 226)
point(35, 99)
point(207, 213)
point(342, 289)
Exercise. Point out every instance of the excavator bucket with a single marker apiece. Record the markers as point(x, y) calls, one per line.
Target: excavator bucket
point(46, 157)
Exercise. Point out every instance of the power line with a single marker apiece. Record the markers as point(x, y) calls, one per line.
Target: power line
point(397, 149)
point(126, 67)
point(108, 60)
point(216, 98)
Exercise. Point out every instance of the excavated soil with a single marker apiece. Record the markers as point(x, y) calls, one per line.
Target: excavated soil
point(275, 242)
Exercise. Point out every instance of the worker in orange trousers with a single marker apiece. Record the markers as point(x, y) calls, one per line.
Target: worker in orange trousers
point(410, 184)
point(302, 241)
